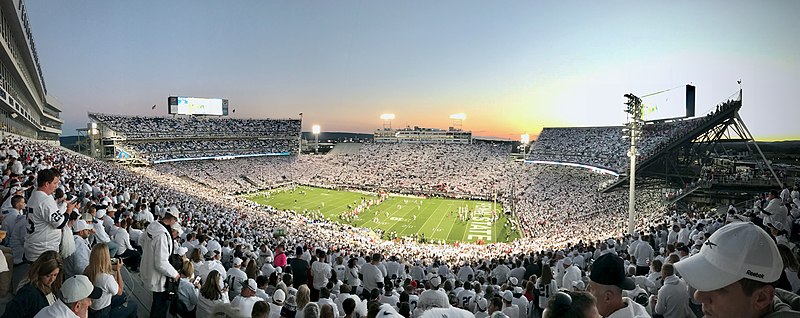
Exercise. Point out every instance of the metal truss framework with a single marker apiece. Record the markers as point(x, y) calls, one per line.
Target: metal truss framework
point(680, 162)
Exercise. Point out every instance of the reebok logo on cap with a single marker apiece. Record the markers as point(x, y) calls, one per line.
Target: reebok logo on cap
point(758, 275)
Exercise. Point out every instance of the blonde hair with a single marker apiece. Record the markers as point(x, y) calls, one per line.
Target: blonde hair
point(99, 262)
point(303, 296)
point(187, 269)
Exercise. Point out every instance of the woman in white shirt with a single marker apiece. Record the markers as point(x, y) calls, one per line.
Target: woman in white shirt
point(188, 291)
point(211, 294)
point(351, 275)
point(99, 271)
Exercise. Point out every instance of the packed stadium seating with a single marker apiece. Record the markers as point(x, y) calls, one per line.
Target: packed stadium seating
point(606, 147)
point(560, 213)
point(166, 138)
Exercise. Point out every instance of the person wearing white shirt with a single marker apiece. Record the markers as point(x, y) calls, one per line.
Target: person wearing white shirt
point(268, 269)
point(130, 256)
point(14, 213)
point(76, 263)
point(389, 296)
point(245, 301)
point(672, 237)
point(99, 271)
point(466, 298)
point(108, 220)
point(100, 235)
point(212, 263)
point(45, 220)
point(212, 293)
point(683, 235)
point(325, 298)
point(465, 272)
point(672, 300)
point(235, 277)
point(321, 272)
point(371, 274)
point(339, 268)
point(634, 242)
point(572, 274)
point(643, 254)
point(276, 305)
point(509, 309)
point(78, 292)
point(188, 291)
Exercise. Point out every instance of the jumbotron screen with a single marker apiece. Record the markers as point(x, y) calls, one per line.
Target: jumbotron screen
point(182, 105)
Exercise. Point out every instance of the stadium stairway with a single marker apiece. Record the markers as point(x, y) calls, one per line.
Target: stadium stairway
point(699, 185)
point(713, 120)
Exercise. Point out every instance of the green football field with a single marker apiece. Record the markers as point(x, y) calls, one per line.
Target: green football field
point(436, 218)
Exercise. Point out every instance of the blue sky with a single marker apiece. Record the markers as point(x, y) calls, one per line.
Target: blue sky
point(513, 67)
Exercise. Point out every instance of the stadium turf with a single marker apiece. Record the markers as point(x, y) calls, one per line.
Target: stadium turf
point(437, 218)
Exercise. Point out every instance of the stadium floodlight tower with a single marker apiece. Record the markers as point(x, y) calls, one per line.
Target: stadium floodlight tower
point(458, 120)
point(524, 140)
point(387, 121)
point(635, 112)
point(315, 130)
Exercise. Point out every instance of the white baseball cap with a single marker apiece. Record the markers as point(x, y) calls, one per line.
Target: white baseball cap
point(279, 296)
point(513, 280)
point(80, 225)
point(77, 288)
point(250, 283)
point(173, 210)
point(237, 261)
point(482, 304)
point(508, 295)
point(735, 251)
point(436, 281)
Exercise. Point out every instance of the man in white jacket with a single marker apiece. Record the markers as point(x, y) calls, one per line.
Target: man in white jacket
point(572, 274)
point(673, 298)
point(157, 246)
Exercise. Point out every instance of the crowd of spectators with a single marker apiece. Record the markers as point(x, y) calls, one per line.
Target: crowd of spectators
point(607, 147)
point(223, 256)
point(177, 127)
point(198, 148)
point(187, 137)
point(475, 171)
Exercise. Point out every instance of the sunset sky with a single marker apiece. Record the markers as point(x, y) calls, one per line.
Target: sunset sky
point(512, 66)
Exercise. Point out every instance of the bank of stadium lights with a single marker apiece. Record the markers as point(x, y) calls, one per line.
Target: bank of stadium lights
point(387, 121)
point(635, 112)
point(458, 120)
point(524, 140)
point(315, 130)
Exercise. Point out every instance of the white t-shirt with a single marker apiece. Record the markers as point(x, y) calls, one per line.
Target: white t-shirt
point(372, 276)
point(244, 304)
point(321, 272)
point(109, 286)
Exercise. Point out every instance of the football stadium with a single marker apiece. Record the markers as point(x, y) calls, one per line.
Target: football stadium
point(441, 220)
point(186, 209)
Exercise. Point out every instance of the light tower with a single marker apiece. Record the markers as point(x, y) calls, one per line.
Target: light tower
point(458, 120)
point(315, 130)
point(635, 112)
point(387, 121)
point(524, 140)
